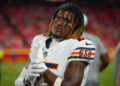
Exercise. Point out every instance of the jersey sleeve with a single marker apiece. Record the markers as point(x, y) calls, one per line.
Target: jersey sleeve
point(83, 51)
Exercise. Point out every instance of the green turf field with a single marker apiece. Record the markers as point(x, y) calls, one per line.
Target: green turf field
point(11, 71)
point(107, 76)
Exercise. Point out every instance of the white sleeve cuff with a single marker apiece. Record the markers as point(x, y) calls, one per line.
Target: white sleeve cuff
point(58, 81)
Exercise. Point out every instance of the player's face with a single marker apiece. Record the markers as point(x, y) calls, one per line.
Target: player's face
point(63, 23)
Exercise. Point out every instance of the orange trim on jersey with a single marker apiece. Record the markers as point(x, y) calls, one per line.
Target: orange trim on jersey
point(92, 53)
point(52, 65)
point(75, 53)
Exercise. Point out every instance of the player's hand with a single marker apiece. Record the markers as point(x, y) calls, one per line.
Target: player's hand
point(38, 68)
point(35, 69)
point(31, 73)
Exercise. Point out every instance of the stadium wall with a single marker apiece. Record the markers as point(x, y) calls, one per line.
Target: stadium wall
point(16, 55)
point(22, 54)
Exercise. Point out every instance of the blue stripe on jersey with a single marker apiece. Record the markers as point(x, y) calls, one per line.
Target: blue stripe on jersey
point(85, 48)
point(49, 65)
point(48, 42)
point(75, 57)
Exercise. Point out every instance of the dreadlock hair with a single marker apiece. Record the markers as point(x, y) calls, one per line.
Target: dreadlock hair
point(78, 28)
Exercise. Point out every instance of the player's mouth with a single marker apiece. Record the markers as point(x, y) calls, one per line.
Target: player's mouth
point(59, 29)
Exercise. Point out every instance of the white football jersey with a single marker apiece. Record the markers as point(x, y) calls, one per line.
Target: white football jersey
point(58, 54)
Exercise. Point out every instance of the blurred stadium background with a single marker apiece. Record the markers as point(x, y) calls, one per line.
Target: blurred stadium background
point(21, 20)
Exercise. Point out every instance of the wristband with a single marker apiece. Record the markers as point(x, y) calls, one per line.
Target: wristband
point(58, 81)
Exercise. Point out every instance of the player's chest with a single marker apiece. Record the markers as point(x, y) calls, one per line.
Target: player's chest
point(57, 51)
point(56, 56)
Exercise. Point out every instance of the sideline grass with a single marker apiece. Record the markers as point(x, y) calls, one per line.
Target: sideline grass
point(11, 71)
point(107, 76)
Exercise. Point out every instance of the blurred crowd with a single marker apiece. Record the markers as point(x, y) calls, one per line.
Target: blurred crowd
point(19, 24)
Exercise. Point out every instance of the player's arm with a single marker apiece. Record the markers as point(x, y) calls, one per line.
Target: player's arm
point(28, 71)
point(73, 75)
point(27, 76)
point(104, 58)
point(104, 61)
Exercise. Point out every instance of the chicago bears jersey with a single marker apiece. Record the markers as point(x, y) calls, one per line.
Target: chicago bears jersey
point(58, 54)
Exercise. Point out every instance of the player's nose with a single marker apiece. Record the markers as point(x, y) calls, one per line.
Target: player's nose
point(60, 22)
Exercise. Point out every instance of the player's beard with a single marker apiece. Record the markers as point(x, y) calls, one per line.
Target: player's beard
point(60, 38)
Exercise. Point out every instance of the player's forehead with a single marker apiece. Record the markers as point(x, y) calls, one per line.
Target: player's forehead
point(66, 14)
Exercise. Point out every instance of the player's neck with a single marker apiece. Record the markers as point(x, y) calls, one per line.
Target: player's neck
point(58, 38)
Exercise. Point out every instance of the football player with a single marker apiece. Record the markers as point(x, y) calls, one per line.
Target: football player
point(62, 56)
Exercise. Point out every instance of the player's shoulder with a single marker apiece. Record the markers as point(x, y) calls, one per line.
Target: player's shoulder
point(39, 37)
point(82, 42)
point(82, 50)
